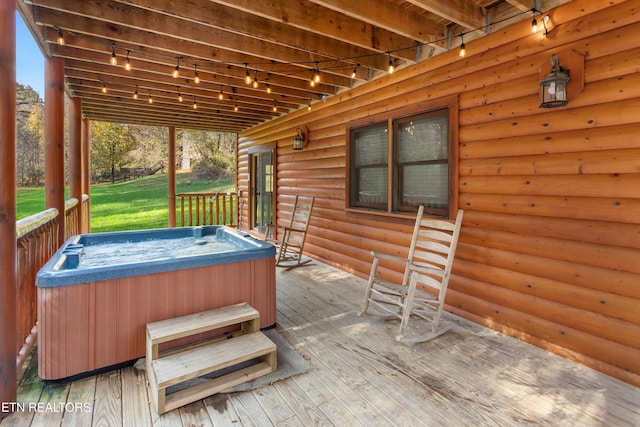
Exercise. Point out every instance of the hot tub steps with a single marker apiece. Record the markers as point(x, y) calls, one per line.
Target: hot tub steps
point(228, 353)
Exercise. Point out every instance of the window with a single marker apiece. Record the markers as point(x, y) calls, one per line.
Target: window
point(370, 166)
point(403, 162)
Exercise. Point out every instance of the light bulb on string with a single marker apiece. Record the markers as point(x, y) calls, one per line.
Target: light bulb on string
point(196, 78)
point(247, 76)
point(135, 94)
point(60, 38)
point(463, 50)
point(113, 60)
point(176, 70)
point(391, 67)
point(127, 64)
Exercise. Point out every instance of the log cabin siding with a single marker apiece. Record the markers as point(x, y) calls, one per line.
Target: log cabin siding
point(550, 245)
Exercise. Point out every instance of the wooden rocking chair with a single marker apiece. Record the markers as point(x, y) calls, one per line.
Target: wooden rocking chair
point(429, 263)
point(289, 239)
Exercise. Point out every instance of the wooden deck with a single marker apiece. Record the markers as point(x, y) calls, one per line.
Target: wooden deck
point(360, 376)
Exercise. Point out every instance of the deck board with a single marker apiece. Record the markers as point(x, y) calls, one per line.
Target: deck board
point(361, 376)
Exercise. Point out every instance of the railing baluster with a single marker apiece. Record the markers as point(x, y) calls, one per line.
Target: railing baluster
point(217, 208)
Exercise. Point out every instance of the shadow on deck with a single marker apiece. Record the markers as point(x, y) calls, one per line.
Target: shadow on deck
point(360, 376)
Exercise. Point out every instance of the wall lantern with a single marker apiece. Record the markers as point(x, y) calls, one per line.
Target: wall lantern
point(553, 86)
point(298, 140)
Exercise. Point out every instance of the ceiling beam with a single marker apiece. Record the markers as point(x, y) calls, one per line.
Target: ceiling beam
point(305, 15)
point(462, 12)
point(389, 16)
point(154, 46)
point(246, 25)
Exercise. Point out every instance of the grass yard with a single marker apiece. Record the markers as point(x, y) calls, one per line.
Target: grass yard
point(131, 205)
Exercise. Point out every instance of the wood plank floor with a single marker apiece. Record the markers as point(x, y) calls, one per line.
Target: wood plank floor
point(360, 376)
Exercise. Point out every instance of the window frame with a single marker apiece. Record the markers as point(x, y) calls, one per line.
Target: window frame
point(391, 118)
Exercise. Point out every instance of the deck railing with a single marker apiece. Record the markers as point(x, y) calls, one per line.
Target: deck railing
point(37, 241)
point(207, 208)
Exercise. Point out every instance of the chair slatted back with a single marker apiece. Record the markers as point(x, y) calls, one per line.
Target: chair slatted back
point(433, 245)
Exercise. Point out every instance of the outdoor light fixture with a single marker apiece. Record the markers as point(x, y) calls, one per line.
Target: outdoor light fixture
point(391, 67)
point(60, 38)
point(298, 140)
point(553, 87)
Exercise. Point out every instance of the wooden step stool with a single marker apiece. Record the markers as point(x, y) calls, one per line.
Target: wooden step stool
point(193, 361)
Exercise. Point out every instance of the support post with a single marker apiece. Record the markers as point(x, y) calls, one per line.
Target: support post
point(54, 139)
point(75, 155)
point(86, 170)
point(172, 176)
point(8, 249)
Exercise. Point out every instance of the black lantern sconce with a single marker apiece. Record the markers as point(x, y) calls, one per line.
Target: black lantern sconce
point(553, 86)
point(298, 140)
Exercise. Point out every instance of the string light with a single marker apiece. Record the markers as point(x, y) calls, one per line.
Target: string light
point(247, 76)
point(354, 73)
point(104, 88)
point(196, 78)
point(195, 104)
point(221, 95)
point(535, 27)
point(255, 80)
point(316, 76)
point(179, 95)
point(235, 108)
point(127, 64)
point(113, 60)
point(309, 106)
point(275, 106)
point(544, 19)
point(176, 71)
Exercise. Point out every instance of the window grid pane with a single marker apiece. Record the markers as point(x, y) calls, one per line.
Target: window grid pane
point(369, 167)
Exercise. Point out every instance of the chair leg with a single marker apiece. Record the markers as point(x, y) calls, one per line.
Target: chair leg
point(407, 305)
point(367, 294)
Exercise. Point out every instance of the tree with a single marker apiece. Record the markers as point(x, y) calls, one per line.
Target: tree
point(111, 144)
point(214, 153)
point(29, 136)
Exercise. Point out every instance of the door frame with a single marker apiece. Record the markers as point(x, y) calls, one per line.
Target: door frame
point(253, 156)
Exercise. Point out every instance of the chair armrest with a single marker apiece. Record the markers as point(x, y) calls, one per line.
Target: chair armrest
point(382, 255)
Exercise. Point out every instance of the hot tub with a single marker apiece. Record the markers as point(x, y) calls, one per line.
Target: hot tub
point(98, 292)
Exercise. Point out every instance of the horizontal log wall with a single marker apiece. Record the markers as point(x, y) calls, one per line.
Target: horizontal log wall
point(550, 246)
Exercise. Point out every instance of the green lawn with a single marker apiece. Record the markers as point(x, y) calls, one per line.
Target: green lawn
point(131, 205)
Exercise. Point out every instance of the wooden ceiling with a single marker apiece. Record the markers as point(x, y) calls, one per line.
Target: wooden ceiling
point(281, 44)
